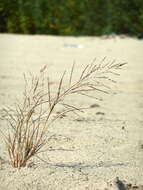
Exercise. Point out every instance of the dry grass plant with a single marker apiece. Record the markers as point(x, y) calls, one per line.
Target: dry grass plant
point(30, 118)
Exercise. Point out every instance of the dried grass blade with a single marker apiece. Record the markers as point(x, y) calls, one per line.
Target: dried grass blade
point(49, 93)
point(60, 86)
point(83, 72)
point(114, 73)
point(36, 86)
point(103, 91)
point(71, 74)
point(70, 106)
point(100, 99)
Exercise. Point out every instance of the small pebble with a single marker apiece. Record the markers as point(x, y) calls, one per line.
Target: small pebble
point(94, 106)
point(100, 113)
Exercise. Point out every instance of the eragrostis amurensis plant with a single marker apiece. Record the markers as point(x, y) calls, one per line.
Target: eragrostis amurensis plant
point(30, 118)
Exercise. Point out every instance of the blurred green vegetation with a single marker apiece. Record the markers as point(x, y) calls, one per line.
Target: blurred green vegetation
point(72, 17)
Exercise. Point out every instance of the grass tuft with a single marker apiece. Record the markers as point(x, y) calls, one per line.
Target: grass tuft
point(30, 118)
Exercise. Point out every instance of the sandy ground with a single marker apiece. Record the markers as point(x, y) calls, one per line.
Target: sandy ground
point(105, 142)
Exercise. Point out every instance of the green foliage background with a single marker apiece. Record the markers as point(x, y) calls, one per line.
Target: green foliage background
point(72, 17)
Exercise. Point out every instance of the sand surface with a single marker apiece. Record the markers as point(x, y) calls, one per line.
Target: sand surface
point(89, 151)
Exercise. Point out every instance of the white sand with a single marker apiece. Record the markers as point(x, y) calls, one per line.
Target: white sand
point(87, 154)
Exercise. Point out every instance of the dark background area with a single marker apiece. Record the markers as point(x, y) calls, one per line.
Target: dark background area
point(72, 17)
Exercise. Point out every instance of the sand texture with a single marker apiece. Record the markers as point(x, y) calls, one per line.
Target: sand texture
point(89, 151)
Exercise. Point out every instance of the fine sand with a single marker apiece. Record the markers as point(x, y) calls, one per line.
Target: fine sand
point(89, 151)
